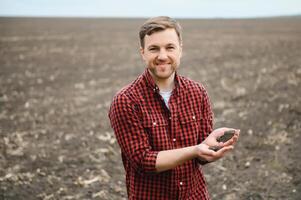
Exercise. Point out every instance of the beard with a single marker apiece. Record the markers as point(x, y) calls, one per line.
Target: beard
point(162, 69)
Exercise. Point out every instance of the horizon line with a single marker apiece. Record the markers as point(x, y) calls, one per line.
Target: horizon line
point(146, 17)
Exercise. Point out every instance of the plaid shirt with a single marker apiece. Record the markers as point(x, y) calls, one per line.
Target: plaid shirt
point(143, 126)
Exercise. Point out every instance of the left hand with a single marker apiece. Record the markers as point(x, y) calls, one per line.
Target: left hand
point(211, 140)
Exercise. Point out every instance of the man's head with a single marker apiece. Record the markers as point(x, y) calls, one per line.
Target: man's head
point(157, 24)
point(161, 46)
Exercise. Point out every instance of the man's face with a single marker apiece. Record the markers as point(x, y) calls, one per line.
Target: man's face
point(162, 52)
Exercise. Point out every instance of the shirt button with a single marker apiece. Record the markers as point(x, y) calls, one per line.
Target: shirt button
point(193, 117)
point(170, 118)
point(181, 183)
point(154, 123)
point(174, 139)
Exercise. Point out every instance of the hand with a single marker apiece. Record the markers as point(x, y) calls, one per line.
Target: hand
point(211, 140)
point(205, 153)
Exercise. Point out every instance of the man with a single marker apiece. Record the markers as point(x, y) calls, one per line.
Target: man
point(163, 122)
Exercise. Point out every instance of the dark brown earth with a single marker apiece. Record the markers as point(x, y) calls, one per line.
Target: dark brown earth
point(58, 77)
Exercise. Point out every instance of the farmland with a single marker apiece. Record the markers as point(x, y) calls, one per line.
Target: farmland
point(58, 77)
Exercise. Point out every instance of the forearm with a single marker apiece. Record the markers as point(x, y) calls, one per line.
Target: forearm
point(170, 159)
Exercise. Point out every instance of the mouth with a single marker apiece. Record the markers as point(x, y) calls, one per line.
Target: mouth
point(162, 64)
point(162, 61)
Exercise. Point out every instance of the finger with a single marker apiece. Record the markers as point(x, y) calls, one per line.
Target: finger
point(233, 140)
point(224, 150)
point(230, 142)
point(209, 157)
point(216, 155)
point(208, 152)
point(219, 132)
point(237, 132)
point(204, 150)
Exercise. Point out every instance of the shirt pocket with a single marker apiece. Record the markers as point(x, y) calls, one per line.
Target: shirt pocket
point(190, 125)
point(157, 130)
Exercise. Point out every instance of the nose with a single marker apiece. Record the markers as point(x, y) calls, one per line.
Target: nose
point(162, 55)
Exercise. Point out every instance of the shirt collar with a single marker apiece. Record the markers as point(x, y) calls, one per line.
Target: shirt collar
point(152, 85)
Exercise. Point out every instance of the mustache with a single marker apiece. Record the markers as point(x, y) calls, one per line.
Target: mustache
point(166, 61)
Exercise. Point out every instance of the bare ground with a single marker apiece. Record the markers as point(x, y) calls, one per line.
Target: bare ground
point(58, 77)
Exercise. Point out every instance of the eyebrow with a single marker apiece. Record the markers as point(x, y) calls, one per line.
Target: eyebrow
point(154, 45)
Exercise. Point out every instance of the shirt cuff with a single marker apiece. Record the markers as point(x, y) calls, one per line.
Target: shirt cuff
point(149, 163)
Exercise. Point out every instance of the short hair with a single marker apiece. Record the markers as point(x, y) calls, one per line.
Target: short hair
point(157, 24)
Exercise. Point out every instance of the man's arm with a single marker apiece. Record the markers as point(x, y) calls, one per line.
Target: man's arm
point(130, 134)
point(170, 159)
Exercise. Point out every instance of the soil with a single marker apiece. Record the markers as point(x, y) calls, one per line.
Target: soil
point(58, 77)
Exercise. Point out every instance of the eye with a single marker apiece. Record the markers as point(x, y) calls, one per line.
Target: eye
point(152, 49)
point(170, 47)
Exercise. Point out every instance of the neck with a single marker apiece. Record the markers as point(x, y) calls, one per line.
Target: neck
point(166, 84)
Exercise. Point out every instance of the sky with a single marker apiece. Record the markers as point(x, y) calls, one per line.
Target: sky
point(140, 8)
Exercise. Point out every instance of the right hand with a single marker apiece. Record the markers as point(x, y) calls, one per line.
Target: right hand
point(204, 153)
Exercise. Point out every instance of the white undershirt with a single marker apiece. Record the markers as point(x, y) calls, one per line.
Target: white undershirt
point(166, 96)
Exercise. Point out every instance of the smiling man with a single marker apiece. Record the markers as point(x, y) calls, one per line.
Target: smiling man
point(163, 122)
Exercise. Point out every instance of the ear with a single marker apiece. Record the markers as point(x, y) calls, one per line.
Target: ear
point(142, 52)
point(181, 49)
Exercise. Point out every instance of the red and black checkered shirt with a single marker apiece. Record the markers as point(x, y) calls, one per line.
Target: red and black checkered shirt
point(143, 126)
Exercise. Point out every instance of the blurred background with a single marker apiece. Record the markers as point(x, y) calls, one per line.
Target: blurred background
point(61, 62)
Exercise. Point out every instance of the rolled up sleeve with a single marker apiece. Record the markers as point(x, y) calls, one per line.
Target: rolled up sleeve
point(130, 134)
